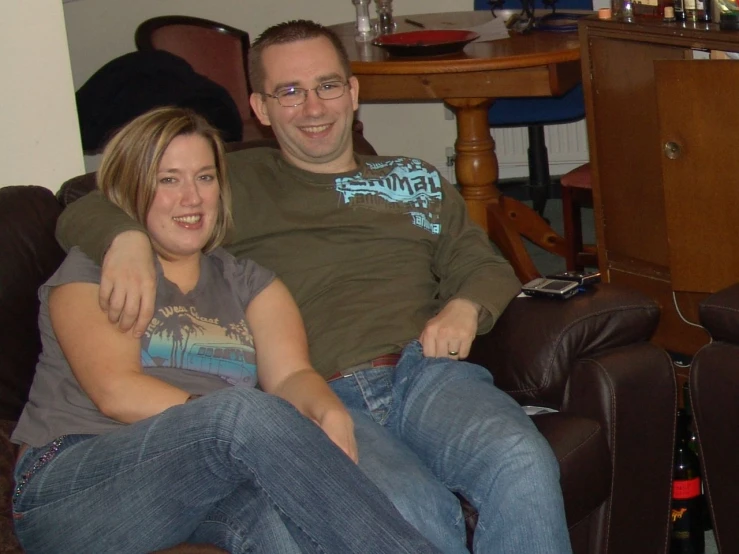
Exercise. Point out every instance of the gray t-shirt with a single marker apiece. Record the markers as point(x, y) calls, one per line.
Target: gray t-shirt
point(197, 341)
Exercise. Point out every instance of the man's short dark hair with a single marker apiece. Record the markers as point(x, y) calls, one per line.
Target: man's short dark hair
point(286, 33)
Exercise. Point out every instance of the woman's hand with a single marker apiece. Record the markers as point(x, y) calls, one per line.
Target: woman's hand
point(339, 427)
point(311, 395)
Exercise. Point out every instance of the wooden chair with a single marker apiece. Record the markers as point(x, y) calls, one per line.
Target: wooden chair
point(577, 193)
point(214, 50)
point(520, 223)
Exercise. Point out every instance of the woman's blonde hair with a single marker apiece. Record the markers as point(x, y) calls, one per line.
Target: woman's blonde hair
point(127, 176)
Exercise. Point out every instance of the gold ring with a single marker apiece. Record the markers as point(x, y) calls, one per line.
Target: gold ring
point(453, 352)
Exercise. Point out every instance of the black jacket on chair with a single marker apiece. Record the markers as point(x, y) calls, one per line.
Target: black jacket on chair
point(139, 81)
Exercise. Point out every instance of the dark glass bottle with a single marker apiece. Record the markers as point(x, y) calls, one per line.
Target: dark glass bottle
point(693, 445)
point(687, 535)
point(703, 9)
point(679, 10)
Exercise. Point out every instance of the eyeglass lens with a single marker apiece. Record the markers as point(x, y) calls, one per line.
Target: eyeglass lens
point(325, 91)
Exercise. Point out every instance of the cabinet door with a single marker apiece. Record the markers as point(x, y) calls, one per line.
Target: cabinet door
point(699, 132)
point(625, 132)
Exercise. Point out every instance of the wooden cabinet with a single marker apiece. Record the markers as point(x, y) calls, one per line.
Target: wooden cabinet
point(662, 131)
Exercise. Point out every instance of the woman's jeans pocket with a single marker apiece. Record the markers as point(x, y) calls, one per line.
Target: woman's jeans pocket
point(30, 467)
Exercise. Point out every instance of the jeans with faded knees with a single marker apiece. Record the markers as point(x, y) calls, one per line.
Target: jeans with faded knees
point(434, 425)
point(237, 468)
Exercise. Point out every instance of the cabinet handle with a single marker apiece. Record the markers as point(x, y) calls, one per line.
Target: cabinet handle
point(672, 150)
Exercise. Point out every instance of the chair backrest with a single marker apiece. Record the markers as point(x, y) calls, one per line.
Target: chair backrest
point(526, 111)
point(214, 50)
point(538, 4)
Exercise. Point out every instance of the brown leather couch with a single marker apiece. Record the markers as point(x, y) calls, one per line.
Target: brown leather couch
point(588, 357)
point(714, 393)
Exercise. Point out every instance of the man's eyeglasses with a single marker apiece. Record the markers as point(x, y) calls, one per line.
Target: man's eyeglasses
point(294, 96)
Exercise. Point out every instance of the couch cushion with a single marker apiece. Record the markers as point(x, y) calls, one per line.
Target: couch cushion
point(584, 461)
point(29, 254)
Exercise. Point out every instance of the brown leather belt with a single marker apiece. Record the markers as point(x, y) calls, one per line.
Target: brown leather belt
point(380, 361)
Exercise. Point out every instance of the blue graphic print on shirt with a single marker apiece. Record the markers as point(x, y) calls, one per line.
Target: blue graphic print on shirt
point(178, 336)
point(403, 182)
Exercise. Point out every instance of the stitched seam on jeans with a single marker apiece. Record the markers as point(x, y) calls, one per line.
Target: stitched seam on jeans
point(384, 411)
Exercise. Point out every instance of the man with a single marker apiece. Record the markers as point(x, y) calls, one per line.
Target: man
point(383, 260)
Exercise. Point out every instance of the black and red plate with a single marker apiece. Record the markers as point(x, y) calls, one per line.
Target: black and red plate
point(427, 42)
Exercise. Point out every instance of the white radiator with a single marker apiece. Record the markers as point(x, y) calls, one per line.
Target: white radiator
point(567, 146)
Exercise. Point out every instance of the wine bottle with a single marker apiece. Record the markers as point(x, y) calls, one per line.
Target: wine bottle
point(687, 535)
point(679, 11)
point(693, 445)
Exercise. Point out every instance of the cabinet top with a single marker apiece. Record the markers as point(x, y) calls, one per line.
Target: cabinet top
point(698, 35)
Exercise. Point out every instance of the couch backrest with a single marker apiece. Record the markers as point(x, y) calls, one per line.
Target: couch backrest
point(29, 255)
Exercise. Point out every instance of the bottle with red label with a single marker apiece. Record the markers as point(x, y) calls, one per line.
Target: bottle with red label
point(687, 536)
point(693, 445)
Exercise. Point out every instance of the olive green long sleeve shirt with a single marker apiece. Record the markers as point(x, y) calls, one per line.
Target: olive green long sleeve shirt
point(370, 255)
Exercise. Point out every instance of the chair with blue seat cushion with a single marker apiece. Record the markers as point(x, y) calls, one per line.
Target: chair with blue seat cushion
point(535, 113)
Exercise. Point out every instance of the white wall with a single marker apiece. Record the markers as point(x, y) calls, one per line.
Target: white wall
point(100, 30)
point(39, 135)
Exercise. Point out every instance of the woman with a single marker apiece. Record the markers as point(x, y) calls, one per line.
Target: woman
point(169, 426)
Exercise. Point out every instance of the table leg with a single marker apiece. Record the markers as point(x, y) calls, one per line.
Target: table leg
point(506, 220)
point(476, 162)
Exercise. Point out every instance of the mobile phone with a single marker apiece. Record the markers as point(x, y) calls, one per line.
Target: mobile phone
point(551, 288)
point(584, 278)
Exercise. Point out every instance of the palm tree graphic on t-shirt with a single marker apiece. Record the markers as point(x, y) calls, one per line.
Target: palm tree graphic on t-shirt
point(179, 337)
point(240, 332)
point(177, 328)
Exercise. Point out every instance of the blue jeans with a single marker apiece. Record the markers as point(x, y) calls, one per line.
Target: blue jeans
point(238, 468)
point(434, 425)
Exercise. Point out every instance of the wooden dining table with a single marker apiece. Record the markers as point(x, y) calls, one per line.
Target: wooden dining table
point(537, 63)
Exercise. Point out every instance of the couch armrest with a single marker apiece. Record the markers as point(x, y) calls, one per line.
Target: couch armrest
point(719, 314)
point(631, 392)
point(533, 347)
point(30, 255)
point(8, 543)
point(714, 389)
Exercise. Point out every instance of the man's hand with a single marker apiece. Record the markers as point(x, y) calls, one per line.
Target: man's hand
point(128, 282)
point(339, 427)
point(450, 333)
